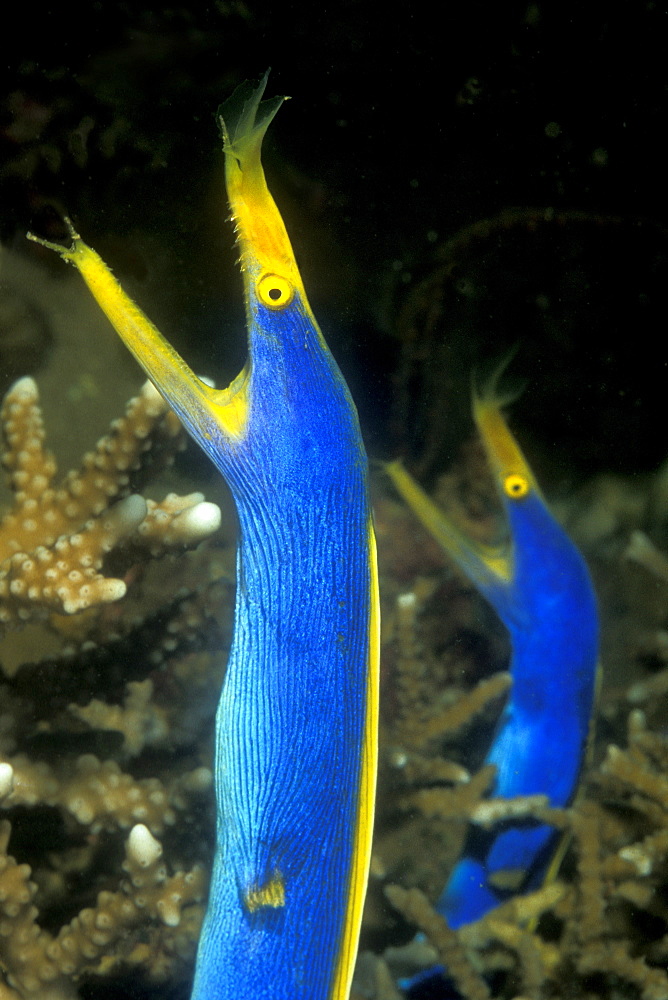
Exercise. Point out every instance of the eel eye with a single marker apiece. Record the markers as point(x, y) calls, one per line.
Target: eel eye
point(274, 292)
point(516, 486)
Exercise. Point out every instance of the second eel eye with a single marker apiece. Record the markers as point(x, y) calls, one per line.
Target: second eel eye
point(274, 292)
point(515, 486)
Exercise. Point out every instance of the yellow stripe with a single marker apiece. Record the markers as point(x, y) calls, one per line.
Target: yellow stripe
point(361, 858)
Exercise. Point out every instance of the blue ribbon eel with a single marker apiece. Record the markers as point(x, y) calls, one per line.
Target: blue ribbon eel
point(296, 727)
point(540, 588)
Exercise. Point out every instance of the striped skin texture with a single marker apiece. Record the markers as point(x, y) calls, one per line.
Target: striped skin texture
point(291, 720)
point(549, 610)
point(296, 727)
point(542, 592)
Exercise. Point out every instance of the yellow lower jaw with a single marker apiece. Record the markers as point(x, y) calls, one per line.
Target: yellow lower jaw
point(200, 406)
point(482, 564)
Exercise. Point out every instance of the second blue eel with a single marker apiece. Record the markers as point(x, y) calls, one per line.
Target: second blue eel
point(296, 728)
point(541, 590)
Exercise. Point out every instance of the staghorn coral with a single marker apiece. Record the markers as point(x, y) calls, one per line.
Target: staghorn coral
point(104, 736)
point(428, 796)
point(42, 965)
point(54, 540)
point(99, 795)
point(609, 920)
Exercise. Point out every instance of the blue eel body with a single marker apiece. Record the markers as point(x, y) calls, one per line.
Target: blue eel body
point(296, 727)
point(541, 590)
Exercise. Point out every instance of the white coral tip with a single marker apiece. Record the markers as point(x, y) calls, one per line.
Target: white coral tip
point(201, 779)
point(149, 391)
point(25, 387)
point(199, 521)
point(142, 847)
point(129, 513)
point(6, 779)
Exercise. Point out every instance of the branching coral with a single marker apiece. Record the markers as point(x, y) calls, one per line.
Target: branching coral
point(55, 539)
point(608, 921)
point(41, 965)
point(100, 739)
point(99, 795)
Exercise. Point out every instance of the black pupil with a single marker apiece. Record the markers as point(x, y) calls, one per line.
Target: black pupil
point(274, 294)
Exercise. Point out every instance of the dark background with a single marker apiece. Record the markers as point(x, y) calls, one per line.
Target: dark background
point(410, 132)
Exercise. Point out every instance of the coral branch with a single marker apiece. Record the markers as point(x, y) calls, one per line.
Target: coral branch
point(54, 541)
